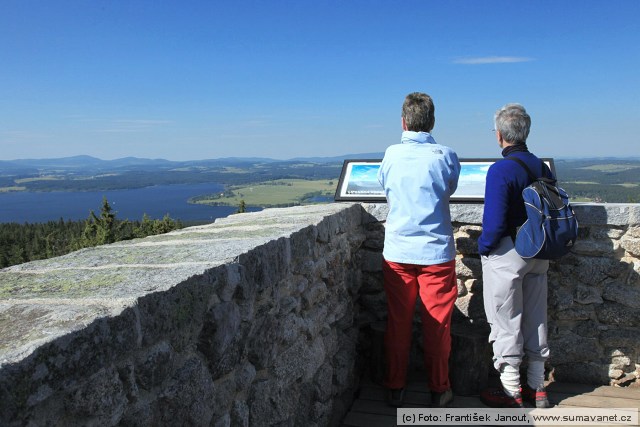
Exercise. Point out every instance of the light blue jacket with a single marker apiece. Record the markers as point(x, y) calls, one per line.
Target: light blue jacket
point(419, 176)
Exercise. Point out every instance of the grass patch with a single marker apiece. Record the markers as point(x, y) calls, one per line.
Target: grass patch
point(231, 169)
point(36, 178)
point(610, 167)
point(582, 182)
point(9, 189)
point(281, 192)
point(581, 200)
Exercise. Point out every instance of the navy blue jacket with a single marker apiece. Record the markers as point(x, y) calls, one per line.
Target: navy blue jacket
point(503, 204)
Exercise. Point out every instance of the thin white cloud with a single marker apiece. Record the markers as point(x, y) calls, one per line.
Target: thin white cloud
point(142, 121)
point(21, 134)
point(244, 136)
point(492, 60)
point(132, 125)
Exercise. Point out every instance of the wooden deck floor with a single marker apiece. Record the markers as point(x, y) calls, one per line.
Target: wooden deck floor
point(370, 409)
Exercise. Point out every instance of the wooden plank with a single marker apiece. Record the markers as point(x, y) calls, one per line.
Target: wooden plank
point(373, 407)
point(414, 385)
point(371, 410)
point(371, 393)
point(419, 400)
point(467, 402)
point(410, 397)
point(604, 390)
point(585, 401)
point(356, 419)
point(569, 388)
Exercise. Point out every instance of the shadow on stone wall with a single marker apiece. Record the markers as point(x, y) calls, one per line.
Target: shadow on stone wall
point(594, 305)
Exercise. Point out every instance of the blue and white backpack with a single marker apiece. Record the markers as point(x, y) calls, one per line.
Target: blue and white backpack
point(551, 228)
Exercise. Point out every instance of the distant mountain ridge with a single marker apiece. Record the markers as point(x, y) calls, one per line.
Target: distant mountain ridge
point(85, 163)
point(90, 162)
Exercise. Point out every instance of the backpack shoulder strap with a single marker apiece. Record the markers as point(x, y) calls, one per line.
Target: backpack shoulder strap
point(532, 177)
point(525, 167)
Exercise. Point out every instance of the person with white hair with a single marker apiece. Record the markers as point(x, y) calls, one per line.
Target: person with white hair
point(514, 288)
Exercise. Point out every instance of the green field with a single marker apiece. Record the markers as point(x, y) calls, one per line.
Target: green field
point(37, 178)
point(281, 192)
point(610, 168)
point(14, 188)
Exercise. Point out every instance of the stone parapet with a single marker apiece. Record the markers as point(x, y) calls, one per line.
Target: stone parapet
point(247, 321)
point(265, 318)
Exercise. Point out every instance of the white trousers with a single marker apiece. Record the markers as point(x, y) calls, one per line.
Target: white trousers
point(515, 302)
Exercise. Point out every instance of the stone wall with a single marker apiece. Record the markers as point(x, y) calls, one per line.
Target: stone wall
point(248, 321)
point(270, 318)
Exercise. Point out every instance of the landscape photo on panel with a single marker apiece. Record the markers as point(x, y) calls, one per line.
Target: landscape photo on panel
point(359, 181)
point(473, 176)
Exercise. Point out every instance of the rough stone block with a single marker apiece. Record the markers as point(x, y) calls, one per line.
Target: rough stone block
point(102, 398)
point(581, 372)
point(591, 247)
point(587, 295)
point(606, 233)
point(631, 245)
point(240, 414)
point(371, 261)
point(626, 295)
point(575, 312)
point(220, 338)
point(187, 396)
point(154, 365)
point(615, 314)
point(571, 348)
point(594, 270)
point(621, 338)
point(467, 267)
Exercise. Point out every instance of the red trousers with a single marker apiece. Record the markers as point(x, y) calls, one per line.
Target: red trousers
point(438, 291)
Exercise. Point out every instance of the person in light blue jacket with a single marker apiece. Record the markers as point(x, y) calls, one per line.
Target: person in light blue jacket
point(419, 176)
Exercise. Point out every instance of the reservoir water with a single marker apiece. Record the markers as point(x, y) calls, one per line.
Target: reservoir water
point(129, 204)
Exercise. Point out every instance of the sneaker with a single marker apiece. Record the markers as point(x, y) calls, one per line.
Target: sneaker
point(395, 397)
point(537, 397)
point(497, 398)
point(442, 399)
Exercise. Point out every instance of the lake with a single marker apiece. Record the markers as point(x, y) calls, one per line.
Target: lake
point(130, 204)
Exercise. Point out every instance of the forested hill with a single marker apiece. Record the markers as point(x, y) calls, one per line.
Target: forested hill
point(600, 180)
point(604, 180)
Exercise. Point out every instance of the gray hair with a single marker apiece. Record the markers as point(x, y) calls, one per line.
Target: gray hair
point(513, 122)
point(418, 112)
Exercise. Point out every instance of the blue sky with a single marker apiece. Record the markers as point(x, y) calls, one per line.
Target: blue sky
point(186, 80)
